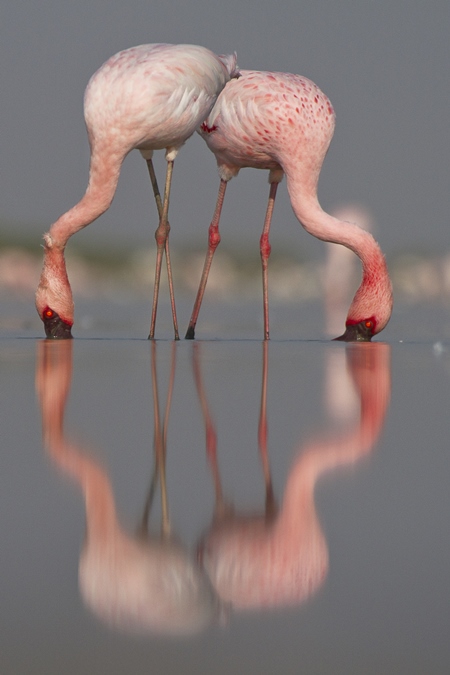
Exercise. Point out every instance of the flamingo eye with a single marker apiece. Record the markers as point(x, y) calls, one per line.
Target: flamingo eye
point(368, 323)
point(49, 313)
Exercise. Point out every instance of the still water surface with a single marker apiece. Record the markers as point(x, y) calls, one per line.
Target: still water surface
point(224, 506)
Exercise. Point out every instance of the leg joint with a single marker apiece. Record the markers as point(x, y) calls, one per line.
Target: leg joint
point(213, 237)
point(264, 246)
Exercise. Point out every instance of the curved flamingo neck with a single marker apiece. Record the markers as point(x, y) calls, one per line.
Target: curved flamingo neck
point(373, 298)
point(54, 290)
point(104, 173)
point(298, 506)
point(371, 373)
point(328, 228)
point(101, 515)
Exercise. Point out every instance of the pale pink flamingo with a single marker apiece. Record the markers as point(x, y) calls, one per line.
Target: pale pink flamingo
point(284, 123)
point(279, 559)
point(133, 582)
point(149, 97)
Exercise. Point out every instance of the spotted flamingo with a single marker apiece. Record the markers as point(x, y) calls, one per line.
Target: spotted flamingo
point(284, 123)
point(149, 97)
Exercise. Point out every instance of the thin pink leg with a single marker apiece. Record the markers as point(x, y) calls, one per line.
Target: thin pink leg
point(159, 206)
point(160, 450)
point(265, 249)
point(262, 437)
point(213, 242)
point(210, 434)
point(159, 447)
point(162, 244)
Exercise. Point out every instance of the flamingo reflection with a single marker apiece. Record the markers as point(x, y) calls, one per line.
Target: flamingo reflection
point(281, 559)
point(339, 276)
point(142, 582)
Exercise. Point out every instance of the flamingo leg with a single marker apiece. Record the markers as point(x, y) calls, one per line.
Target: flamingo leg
point(160, 450)
point(164, 499)
point(262, 437)
point(143, 527)
point(159, 206)
point(210, 436)
point(162, 244)
point(213, 242)
point(265, 249)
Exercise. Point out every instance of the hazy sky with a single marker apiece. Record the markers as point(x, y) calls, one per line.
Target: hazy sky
point(384, 65)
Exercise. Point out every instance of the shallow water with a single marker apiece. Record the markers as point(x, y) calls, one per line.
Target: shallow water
point(344, 570)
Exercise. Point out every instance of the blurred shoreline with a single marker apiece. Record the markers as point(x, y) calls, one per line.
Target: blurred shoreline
point(119, 273)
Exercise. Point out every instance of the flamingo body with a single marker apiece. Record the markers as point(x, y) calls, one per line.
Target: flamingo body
point(254, 564)
point(152, 97)
point(148, 97)
point(253, 124)
point(284, 123)
point(148, 585)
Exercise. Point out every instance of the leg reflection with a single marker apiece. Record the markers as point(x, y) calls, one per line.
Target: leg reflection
point(143, 582)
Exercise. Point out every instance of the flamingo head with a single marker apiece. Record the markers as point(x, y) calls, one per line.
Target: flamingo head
point(371, 308)
point(358, 332)
point(54, 302)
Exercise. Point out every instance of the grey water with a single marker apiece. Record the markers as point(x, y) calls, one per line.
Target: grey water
point(307, 534)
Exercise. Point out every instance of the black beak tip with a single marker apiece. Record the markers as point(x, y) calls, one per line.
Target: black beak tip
point(341, 338)
point(57, 329)
point(355, 333)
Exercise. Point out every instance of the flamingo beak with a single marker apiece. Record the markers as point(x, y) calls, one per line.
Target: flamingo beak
point(56, 328)
point(356, 332)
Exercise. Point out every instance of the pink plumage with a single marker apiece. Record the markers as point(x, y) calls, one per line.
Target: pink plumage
point(149, 97)
point(284, 123)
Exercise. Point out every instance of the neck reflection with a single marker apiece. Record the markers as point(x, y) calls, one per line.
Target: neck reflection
point(280, 558)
